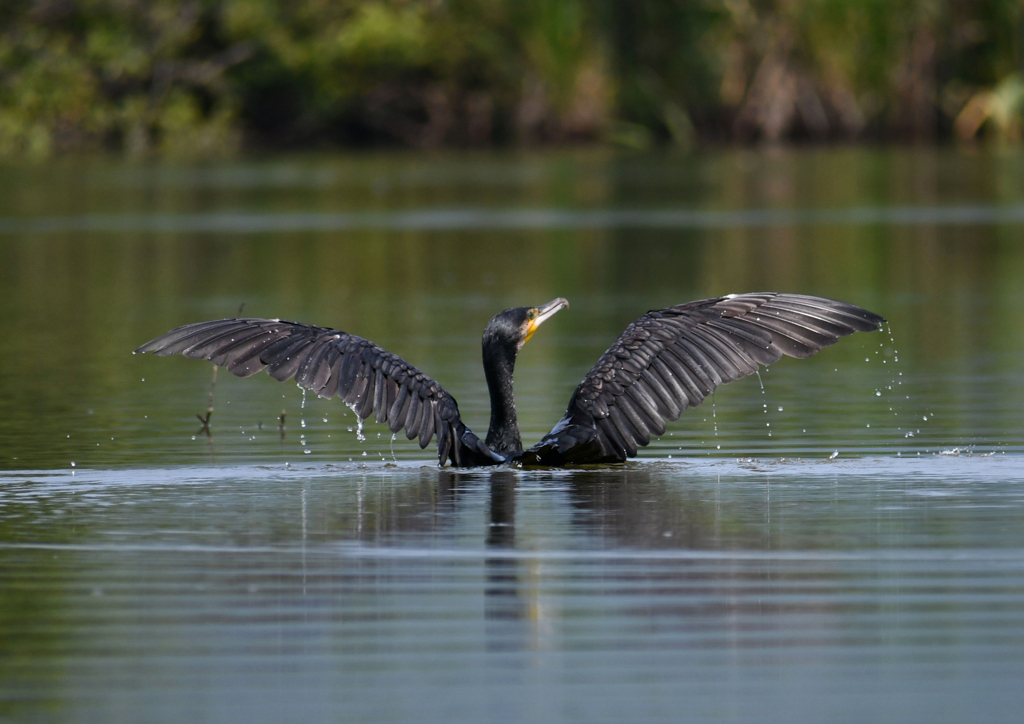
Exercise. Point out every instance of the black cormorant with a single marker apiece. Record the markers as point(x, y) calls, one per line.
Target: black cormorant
point(666, 361)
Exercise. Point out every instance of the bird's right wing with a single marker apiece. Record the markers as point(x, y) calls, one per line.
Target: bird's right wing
point(671, 359)
point(332, 363)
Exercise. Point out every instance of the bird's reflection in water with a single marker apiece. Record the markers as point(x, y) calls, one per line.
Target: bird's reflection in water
point(643, 507)
point(506, 610)
point(637, 508)
point(532, 535)
point(632, 509)
point(503, 600)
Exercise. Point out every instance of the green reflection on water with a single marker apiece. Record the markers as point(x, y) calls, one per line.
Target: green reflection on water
point(73, 304)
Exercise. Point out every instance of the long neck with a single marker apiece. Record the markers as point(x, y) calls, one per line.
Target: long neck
point(503, 433)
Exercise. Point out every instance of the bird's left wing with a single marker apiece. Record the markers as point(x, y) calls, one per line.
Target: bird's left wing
point(333, 363)
point(671, 359)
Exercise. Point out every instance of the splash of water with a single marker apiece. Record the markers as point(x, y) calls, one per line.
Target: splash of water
point(302, 407)
point(894, 387)
point(359, 423)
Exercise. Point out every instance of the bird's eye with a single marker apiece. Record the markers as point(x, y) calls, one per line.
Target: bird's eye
point(531, 314)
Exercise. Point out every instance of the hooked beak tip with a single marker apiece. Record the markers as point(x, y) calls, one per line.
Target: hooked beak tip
point(550, 309)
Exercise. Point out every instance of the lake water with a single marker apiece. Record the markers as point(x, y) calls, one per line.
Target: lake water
point(841, 540)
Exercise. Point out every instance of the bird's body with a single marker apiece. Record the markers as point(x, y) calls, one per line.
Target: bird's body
point(663, 363)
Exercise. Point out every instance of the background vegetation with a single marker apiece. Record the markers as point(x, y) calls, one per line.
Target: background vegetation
point(204, 77)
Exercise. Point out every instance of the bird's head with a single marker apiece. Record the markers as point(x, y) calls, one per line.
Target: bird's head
point(508, 331)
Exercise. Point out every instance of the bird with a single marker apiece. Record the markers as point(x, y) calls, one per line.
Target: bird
point(666, 361)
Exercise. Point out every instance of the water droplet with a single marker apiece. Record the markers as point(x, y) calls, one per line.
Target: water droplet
point(307, 451)
point(780, 408)
point(72, 464)
point(714, 419)
point(834, 455)
point(878, 393)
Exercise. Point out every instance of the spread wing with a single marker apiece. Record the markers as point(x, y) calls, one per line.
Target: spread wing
point(671, 359)
point(333, 363)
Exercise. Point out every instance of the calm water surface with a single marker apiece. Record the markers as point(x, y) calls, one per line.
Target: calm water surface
point(841, 540)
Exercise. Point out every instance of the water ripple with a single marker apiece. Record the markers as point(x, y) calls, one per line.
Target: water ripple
point(482, 219)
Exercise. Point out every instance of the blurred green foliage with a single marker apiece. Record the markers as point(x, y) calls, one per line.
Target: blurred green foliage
point(206, 77)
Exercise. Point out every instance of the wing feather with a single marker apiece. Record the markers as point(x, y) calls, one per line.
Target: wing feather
point(671, 398)
point(379, 395)
point(331, 388)
point(614, 445)
point(224, 343)
point(412, 420)
point(178, 340)
point(426, 430)
point(395, 417)
point(686, 375)
point(641, 433)
point(627, 436)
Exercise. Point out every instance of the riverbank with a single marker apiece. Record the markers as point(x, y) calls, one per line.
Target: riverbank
point(200, 79)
